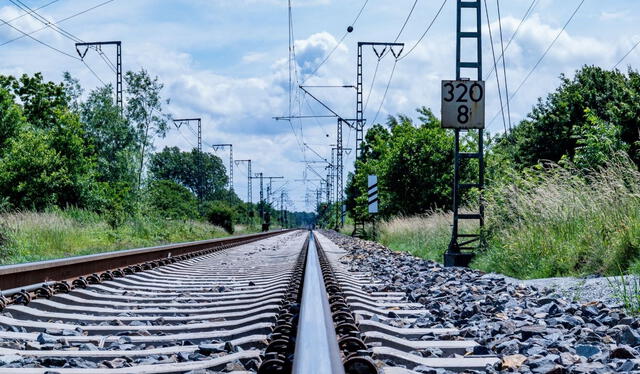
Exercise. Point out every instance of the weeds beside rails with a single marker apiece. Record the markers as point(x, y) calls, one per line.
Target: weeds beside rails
point(627, 289)
point(559, 221)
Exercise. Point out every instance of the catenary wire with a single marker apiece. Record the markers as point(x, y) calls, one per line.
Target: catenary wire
point(515, 33)
point(425, 32)
point(493, 53)
point(504, 66)
point(25, 35)
point(315, 70)
point(526, 78)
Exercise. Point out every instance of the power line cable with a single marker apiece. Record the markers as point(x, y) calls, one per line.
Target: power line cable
point(548, 49)
point(493, 52)
point(626, 54)
point(406, 20)
point(39, 41)
point(526, 78)
point(93, 72)
point(386, 91)
point(337, 44)
point(425, 32)
point(45, 21)
point(504, 66)
point(24, 14)
point(25, 35)
point(524, 18)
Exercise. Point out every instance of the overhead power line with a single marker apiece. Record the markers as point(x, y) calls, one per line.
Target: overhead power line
point(626, 54)
point(493, 53)
point(513, 36)
point(337, 44)
point(40, 41)
point(553, 42)
point(38, 8)
point(504, 65)
point(406, 20)
point(26, 35)
point(425, 31)
point(548, 49)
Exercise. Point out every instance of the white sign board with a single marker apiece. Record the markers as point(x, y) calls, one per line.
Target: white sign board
point(463, 104)
point(373, 193)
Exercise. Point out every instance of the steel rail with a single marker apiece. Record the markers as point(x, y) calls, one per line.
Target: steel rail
point(317, 344)
point(28, 276)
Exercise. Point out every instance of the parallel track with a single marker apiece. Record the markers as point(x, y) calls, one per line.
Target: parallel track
point(267, 304)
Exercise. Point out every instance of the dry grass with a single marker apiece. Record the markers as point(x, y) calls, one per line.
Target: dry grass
point(426, 236)
point(558, 222)
point(554, 221)
point(28, 236)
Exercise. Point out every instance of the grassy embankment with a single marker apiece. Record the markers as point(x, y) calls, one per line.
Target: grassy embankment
point(27, 236)
point(555, 222)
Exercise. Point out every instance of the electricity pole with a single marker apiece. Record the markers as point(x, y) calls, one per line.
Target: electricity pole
point(462, 246)
point(249, 186)
point(98, 47)
point(199, 162)
point(360, 121)
point(222, 146)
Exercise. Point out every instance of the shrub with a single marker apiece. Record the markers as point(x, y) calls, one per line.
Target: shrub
point(557, 221)
point(171, 200)
point(220, 214)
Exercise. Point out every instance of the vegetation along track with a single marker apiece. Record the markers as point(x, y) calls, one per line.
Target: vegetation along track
point(279, 302)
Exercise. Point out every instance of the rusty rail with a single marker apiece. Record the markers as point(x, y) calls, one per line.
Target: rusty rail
point(33, 273)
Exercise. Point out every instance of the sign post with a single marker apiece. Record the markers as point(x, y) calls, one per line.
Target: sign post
point(463, 109)
point(372, 192)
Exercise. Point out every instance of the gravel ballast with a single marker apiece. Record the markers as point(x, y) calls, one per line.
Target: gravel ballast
point(532, 329)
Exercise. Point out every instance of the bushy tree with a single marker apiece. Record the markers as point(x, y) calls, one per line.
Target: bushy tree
point(414, 165)
point(183, 168)
point(112, 138)
point(590, 115)
point(144, 110)
point(220, 214)
point(171, 200)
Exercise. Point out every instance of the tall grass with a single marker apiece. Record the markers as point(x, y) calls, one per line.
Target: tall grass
point(29, 236)
point(553, 221)
point(559, 221)
point(425, 236)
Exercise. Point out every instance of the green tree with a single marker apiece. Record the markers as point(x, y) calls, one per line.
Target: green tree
point(112, 138)
point(183, 168)
point(595, 103)
point(144, 110)
point(414, 165)
point(11, 120)
point(41, 101)
point(172, 200)
point(47, 167)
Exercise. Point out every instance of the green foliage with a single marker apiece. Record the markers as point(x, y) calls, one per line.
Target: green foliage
point(413, 164)
point(171, 200)
point(596, 141)
point(28, 236)
point(11, 120)
point(144, 110)
point(112, 138)
point(220, 214)
point(186, 169)
point(590, 116)
point(558, 221)
point(426, 236)
point(43, 167)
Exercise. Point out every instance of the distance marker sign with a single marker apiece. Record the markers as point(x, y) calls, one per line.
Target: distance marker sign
point(463, 104)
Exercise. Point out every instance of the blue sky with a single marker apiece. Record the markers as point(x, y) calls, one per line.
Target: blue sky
point(226, 61)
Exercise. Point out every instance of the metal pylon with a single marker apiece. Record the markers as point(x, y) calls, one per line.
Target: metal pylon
point(462, 246)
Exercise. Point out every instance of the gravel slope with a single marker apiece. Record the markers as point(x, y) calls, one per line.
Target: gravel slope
point(532, 330)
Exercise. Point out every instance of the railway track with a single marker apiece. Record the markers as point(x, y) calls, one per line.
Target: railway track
point(269, 303)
